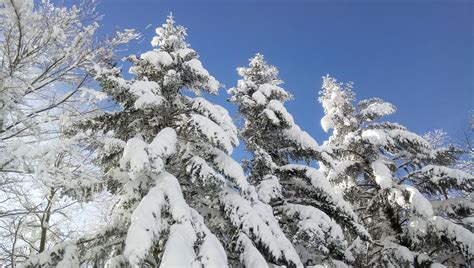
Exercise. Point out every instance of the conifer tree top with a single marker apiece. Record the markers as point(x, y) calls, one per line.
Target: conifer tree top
point(170, 37)
point(260, 72)
point(259, 85)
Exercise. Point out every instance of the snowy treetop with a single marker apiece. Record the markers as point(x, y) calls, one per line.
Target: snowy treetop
point(170, 37)
point(260, 72)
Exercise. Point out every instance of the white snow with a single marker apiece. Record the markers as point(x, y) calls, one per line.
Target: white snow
point(164, 144)
point(320, 182)
point(148, 100)
point(259, 98)
point(460, 235)
point(302, 138)
point(116, 261)
point(405, 136)
point(383, 176)
point(196, 66)
point(179, 249)
point(419, 203)
point(417, 228)
point(376, 137)
point(468, 222)
point(212, 132)
point(272, 116)
point(317, 226)
point(250, 256)
point(135, 156)
point(145, 226)
point(211, 252)
point(158, 58)
point(416, 202)
point(140, 87)
point(218, 114)
point(403, 253)
point(241, 214)
point(147, 93)
point(228, 124)
point(178, 207)
point(213, 84)
point(273, 91)
point(184, 53)
point(70, 257)
point(269, 188)
point(92, 94)
point(438, 174)
point(450, 205)
point(66, 251)
point(327, 123)
point(249, 219)
point(437, 265)
point(229, 167)
point(198, 169)
point(280, 110)
point(378, 109)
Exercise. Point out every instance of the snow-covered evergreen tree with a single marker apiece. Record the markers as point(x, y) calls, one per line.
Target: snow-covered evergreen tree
point(459, 209)
point(182, 200)
point(314, 215)
point(404, 190)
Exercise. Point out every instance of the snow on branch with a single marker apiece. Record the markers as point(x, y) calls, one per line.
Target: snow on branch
point(250, 256)
point(217, 114)
point(316, 229)
point(456, 234)
point(145, 226)
point(273, 242)
point(205, 127)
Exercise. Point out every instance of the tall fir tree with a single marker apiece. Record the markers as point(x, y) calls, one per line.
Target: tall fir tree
point(314, 215)
point(397, 182)
point(182, 201)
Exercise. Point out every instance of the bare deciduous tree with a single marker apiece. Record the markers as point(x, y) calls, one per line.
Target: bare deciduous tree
point(46, 55)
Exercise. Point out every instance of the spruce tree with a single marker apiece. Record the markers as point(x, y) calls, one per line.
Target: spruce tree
point(397, 182)
point(182, 201)
point(314, 215)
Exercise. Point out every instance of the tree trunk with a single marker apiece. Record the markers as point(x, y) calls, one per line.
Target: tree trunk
point(45, 221)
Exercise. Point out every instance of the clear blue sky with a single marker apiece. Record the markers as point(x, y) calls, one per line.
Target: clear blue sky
point(416, 55)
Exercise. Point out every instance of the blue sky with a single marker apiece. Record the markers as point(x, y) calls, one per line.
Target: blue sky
point(416, 55)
